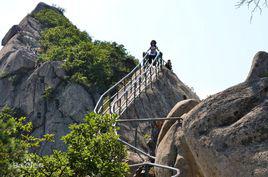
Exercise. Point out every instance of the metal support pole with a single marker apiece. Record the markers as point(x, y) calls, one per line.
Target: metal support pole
point(136, 134)
point(140, 82)
point(146, 168)
point(110, 104)
point(145, 81)
point(120, 104)
point(151, 79)
point(156, 72)
point(126, 98)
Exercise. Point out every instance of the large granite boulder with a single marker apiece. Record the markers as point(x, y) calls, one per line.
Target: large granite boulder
point(228, 132)
point(172, 149)
point(178, 110)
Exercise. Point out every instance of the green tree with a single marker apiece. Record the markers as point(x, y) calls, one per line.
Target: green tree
point(97, 64)
point(15, 142)
point(93, 149)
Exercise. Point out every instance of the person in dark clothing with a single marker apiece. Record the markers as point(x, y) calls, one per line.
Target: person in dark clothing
point(168, 65)
point(152, 52)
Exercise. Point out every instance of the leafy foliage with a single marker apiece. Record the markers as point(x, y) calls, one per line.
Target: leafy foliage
point(15, 142)
point(48, 93)
point(93, 150)
point(89, 63)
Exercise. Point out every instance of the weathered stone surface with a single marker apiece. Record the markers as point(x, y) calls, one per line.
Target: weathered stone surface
point(228, 132)
point(259, 67)
point(174, 151)
point(19, 61)
point(155, 102)
point(40, 91)
point(13, 30)
point(178, 110)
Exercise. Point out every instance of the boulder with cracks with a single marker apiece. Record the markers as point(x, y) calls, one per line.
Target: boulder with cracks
point(228, 132)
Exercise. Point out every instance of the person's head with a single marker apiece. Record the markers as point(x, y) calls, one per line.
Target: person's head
point(153, 43)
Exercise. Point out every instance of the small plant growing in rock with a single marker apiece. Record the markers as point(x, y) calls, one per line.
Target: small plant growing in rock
point(15, 79)
point(264, 75)
point(48, 93)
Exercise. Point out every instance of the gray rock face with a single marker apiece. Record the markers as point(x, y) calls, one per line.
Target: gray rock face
point(228, 132)
point(41, 92)
point(13, 30)
point(178, 110)
point(155, 102)
point(172, 149)
point(259, 67)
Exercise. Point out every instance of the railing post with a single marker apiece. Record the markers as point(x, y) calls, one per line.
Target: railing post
point(101, 108)
point(110, 104)
point(151, 79)
point(140, 82)
point(131, 85)
point(124, 96)
point(155, 68)
point(146, 170)
point(136, 134)
point(145, 75)
point(120, 104)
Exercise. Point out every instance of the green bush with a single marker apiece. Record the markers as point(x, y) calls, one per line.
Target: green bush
point(92, 149)
point(94, 64)
point(15, 142)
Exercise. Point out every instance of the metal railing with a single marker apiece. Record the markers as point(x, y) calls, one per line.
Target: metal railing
point(148, 164)
point(117, 98)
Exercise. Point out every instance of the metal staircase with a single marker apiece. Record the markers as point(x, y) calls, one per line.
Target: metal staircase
point(117, 99)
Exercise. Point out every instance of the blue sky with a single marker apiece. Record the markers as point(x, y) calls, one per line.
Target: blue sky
point(211, 43)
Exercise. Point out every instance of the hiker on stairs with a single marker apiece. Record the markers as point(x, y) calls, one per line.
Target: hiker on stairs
point(151, 53)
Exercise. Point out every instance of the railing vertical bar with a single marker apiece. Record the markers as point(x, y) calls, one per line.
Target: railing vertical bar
point(136, 136)
point(151, 82)
point(146, 170)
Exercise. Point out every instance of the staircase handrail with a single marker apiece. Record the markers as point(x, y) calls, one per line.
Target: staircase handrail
point(137, 78)
point(144, 62)
point(120, 81)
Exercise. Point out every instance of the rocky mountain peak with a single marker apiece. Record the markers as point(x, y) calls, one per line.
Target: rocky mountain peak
point(45, 94)
point(41, 6)
point(259, 67)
